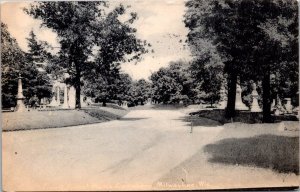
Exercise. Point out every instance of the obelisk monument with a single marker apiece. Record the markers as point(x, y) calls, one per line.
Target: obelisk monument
point(20, 97)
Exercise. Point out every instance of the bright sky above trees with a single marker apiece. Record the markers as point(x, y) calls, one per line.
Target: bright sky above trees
point(160, 23)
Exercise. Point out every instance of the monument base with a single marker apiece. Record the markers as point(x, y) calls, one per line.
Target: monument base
point(20, 106)
point(255, 106)
point(241, 107)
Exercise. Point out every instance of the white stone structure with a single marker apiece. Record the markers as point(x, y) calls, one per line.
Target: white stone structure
point(279, 109)
point(288, 105)
point(20, 97)
point(149, 101)
point(125, 104)
point(239, 105)
point(255, 106)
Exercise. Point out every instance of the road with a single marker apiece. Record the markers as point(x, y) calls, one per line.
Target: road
point(134, 153)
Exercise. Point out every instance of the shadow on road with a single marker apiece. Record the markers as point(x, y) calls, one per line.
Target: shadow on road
point(267, 151)
point(199, 121)
point(131, 119)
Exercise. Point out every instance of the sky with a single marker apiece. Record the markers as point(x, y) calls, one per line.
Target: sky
point(160, 22)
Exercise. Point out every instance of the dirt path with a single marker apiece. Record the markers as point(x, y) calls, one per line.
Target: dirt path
point(141, 151)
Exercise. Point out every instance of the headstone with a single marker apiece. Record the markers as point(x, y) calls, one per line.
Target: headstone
point(288, 105)
point(65, 104)
point(20, 97)
point(279, 109)
point(255, 106)
point(239, 105)
point(149, 101)
point(72, 97)
point(125, 104)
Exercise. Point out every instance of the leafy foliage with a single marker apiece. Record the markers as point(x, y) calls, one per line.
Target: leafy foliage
point(139, 92)
point(173, 84)
point(93, 42)
point(253, 38)
point(15, 62)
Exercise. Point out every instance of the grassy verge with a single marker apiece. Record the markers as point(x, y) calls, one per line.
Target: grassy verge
point(267, 151)
point(13, 121)
point(241, 116)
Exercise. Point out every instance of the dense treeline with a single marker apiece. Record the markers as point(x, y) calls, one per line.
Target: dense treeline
point(231, 41)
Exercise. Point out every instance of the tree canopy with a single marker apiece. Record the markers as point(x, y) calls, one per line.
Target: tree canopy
point(251, 38)
point(84, 28)
point(15, 62)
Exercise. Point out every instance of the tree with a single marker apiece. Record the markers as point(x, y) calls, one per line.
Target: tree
point(74, 23)
point(83, 27)
point(237, 28)
point(139, 92)
point(207, 71)
point(15, 62)
point(39, 58)
point(172, 84)
point(11, 63)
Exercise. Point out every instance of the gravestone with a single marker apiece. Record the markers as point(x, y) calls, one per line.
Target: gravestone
point(149, 101)
point(288, 105)
point(279, 109)
point(125, 104)
point(255, 106)
point(239, 105)
point(20, 97)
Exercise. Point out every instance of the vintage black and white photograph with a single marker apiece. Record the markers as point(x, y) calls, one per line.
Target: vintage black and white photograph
point(150, 95)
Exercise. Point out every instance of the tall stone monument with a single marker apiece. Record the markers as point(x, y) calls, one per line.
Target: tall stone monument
point(239, 105)
point(255, 106)
point(20, 97)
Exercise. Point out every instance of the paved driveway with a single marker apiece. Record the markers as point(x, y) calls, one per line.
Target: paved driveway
point(136, 152)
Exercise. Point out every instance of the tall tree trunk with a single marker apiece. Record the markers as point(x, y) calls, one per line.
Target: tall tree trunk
point(266, 96)
point(77, 87)
point(231, 82)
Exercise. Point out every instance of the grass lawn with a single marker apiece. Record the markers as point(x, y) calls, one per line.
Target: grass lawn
point(12, 121)
point(279, 153)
